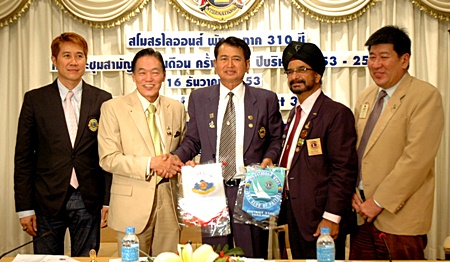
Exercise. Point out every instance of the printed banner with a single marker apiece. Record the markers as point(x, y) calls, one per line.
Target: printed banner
point(203, 202)
point(266, 38)
point(205, 61)
point(262, 192)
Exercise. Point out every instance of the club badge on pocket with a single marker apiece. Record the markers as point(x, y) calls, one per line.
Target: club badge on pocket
point(314, 147)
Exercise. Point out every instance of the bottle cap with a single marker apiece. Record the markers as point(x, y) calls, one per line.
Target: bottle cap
point(324, 230)
point(129, 230)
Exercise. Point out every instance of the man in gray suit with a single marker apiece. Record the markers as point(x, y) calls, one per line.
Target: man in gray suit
point(256, 139)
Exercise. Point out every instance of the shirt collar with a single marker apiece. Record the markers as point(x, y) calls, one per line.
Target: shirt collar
point(390, 91)
point(308, 104)
point(63, 90)
point(145, 103)
point(238, 91)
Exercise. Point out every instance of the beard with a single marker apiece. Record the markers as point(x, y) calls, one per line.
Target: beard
point(300, 90)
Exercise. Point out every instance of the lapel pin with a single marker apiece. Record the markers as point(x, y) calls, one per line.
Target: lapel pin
point(262, 132)
point(211, 124)
point(307, 125)
point(211, 115)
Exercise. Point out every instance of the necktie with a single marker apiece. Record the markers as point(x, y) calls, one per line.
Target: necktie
point(373, 118)
point(285, 157)
point(154, 133)
point(72, 126)
point(227, 149)
point(153, 129)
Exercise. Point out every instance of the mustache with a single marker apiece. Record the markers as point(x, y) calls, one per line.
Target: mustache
point(297, 81)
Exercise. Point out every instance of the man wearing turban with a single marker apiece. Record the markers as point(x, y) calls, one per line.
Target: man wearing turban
point(319, 144)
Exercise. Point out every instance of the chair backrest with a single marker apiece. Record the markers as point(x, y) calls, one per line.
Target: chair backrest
point(447, 248)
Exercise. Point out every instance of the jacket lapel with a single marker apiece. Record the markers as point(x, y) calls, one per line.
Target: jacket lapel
point(251, 117)
point(137, 114)
point(307, 128)
point(55, 100)
point(389, 111)
point(85, 109)
point(167, 119)
point(210, 117)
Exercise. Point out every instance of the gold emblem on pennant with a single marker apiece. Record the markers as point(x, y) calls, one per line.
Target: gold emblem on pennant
point(262, 132)
point(93, 125)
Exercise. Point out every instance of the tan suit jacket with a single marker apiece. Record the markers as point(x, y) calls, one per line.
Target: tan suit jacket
point(398, 164)
point(125, 144)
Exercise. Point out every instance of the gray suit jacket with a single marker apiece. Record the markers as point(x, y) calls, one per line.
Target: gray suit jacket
point(263, 126)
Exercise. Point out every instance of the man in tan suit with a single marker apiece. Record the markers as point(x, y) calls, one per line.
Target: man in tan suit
point(136, 133)
point(397, 156)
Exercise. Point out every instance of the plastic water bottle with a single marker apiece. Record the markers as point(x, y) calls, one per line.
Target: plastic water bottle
point(325, 246)
point(130, 246)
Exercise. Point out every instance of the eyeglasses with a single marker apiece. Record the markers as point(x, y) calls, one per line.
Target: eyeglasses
point(298, 70)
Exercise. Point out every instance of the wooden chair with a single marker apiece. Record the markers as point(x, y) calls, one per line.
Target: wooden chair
point(447, 248)
point(287, 246)
point(108, 243)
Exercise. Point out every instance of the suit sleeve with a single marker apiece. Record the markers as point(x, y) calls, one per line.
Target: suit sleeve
point(24, 157)
point(112, 156)
point(342, 161)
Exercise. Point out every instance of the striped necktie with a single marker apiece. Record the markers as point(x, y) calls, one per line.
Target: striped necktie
point(227, 149)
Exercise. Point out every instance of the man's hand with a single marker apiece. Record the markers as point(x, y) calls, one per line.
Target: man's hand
point(29, 223)
point(267, 162)
point(334, 228)
point(104, 221)
point(166, 165)
point(356, 204)
point(369, 210)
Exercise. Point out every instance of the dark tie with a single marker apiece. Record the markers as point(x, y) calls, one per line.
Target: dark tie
point(227, 150)
point(373, 118)
point(287, 148)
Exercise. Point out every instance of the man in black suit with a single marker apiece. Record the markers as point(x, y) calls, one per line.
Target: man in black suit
point(258, 131)
point(320, 151)
point(58, 182)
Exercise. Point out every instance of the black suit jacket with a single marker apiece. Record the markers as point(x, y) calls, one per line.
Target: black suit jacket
point(262, 131)
point(326, 181)
point(44, 156)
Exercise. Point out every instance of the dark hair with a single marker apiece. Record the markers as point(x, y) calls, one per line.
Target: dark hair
point(148, 52)
point(234, 41)
point(391, 35)
point(68, 37)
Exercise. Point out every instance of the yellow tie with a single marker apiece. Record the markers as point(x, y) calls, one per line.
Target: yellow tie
point(154, 133)
point(153, 129)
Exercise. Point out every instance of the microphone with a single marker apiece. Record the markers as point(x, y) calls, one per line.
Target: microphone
point(382, 236)
point(29, 242)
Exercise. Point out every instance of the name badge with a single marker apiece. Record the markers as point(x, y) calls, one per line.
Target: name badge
point(364, 111)
point(314, 147)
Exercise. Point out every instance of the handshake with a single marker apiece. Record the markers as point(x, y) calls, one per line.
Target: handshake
point(166, 165)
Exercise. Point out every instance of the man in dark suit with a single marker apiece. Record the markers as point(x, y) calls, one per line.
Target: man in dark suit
point(319, 150)
point(257, 137)
point(58, 182)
